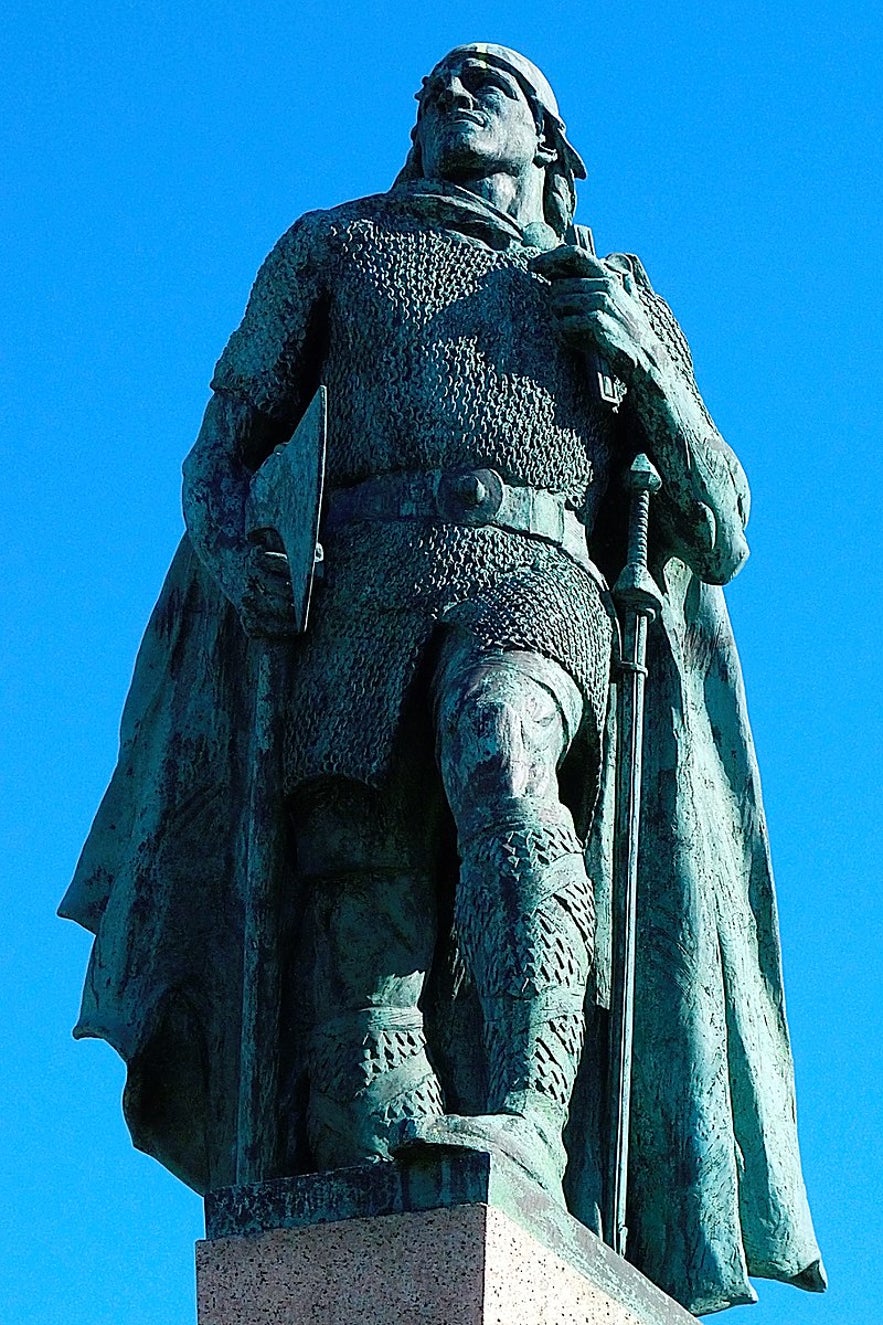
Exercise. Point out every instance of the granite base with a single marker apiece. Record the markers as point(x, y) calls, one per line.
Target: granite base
point(457, 1239)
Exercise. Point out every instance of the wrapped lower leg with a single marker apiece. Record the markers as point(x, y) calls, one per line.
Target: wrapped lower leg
point(525, 922)
point(368, 1073)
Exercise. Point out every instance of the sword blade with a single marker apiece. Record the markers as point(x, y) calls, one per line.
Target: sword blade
point(639, 600)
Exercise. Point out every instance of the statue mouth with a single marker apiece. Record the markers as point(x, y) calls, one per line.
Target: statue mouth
point(465, 117)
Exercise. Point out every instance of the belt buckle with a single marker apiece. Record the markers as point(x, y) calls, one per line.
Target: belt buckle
point(470, 496)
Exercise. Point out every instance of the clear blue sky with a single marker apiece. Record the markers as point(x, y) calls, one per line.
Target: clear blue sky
point(152, 154)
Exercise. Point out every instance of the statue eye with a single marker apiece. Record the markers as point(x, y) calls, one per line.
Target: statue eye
point(486, 80)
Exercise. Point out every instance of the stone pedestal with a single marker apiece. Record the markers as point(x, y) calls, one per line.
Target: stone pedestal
point(459, 1239)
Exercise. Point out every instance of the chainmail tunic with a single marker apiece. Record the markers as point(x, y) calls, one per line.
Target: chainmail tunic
point(439, 352)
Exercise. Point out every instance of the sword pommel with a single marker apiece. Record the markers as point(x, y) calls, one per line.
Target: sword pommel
point(642, 476)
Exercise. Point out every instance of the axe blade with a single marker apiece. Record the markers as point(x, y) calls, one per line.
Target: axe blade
point(286, 499)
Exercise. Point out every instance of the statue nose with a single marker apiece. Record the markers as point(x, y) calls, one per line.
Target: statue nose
point(455, 94)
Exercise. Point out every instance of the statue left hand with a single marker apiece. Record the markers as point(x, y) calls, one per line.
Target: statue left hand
point(596, 307)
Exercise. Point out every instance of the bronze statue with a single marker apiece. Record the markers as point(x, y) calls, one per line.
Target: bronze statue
point(350, 883)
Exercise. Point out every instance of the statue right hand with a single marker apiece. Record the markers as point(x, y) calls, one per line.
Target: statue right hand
point(265, 604)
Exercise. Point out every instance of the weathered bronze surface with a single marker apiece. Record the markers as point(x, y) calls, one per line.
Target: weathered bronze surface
point(351, 883)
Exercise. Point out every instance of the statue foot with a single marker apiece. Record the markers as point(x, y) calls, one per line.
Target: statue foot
point(520, 1138)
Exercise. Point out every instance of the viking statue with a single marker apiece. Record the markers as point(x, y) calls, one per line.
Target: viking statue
point(419, 785)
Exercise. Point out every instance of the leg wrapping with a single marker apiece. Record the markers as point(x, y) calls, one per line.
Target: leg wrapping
point(368, 1072)
point(525, 921)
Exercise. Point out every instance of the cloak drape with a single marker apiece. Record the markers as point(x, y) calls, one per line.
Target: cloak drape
point(716, 1191)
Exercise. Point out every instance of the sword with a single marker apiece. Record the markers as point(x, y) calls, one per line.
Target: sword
point(284, 502)
point(639, 600)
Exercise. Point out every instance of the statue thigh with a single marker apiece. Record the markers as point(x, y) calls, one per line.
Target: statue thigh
point(369, 857)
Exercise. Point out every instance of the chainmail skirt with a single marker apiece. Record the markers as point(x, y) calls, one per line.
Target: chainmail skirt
point(361, 669)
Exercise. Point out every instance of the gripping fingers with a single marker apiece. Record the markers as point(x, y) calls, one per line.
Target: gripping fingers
point(606, 333)
point(576, 299)
point(588, 284)
point(568, 260)
point(266, 607)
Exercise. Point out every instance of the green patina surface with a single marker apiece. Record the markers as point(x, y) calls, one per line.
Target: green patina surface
point(351, 885)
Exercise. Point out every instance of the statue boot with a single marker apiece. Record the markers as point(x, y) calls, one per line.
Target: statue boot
point(369, 1073)
point(525, 923)
point(367, 1062)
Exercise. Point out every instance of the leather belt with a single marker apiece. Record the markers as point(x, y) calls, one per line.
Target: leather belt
point(473, 497)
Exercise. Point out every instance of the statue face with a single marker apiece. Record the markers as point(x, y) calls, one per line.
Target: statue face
point(475, 120)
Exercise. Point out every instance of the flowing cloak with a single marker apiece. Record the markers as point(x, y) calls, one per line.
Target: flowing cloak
point(716, 1192)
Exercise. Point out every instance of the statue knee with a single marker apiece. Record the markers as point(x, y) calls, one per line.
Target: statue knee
point(500, 736)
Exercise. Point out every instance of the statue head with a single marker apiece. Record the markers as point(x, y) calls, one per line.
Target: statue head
point(516, 117)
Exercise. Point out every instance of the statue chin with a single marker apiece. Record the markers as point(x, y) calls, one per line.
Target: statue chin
point(459, 162)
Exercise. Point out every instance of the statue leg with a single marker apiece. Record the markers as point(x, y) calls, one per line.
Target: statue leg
point(371, 890)
point(524, 909)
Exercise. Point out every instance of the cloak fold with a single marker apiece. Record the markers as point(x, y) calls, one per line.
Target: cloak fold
point(159, 881)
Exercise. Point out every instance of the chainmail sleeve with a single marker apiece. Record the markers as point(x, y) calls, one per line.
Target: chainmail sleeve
point(272, 358)
point(705, 500)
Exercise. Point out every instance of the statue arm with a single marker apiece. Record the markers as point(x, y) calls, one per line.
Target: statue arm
point(216, 483)
point(262, 383)
point(611, 306)
point(705, 503)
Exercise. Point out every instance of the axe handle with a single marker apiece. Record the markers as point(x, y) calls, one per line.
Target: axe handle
point(256, 1129)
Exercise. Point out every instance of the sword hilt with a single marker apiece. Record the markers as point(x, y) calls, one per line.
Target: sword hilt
point(636, 588)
